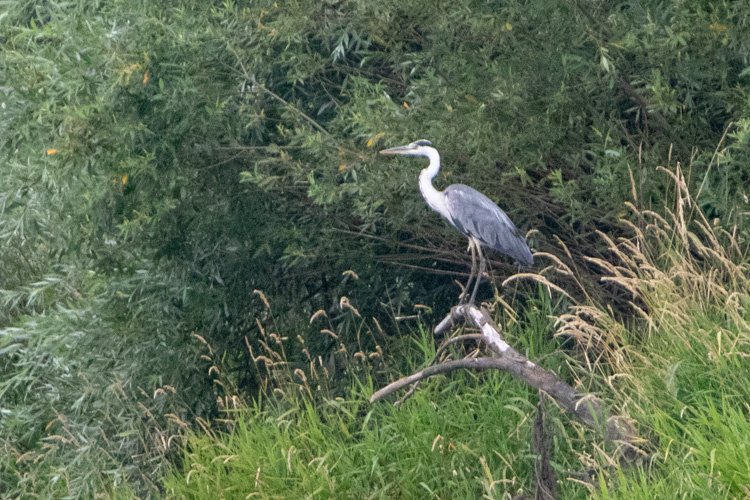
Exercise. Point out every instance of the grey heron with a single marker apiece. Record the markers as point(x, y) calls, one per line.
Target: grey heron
point(469, 211)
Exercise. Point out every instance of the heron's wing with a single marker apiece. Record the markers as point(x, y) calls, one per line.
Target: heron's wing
point(477, 216)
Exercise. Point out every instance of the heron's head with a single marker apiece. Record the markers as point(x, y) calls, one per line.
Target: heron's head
point(416, 148)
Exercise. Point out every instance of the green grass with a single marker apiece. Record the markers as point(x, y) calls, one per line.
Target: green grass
point(469, 435)
point(355, 449)
point(678, 369)
point(460, 436)
point(691, 401)
point(702, 453)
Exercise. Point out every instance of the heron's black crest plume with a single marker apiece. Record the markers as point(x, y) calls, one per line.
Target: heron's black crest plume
point(423, 142)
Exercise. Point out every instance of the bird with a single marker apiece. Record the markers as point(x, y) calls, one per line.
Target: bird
point(472, 213)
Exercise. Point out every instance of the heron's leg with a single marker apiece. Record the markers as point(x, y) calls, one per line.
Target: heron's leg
point(465, 292)
point(482, 266)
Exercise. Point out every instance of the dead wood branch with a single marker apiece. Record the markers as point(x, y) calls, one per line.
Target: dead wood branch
point(586, 407)
point(546, 479)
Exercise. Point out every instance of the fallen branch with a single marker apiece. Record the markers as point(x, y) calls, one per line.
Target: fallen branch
point(586, 407)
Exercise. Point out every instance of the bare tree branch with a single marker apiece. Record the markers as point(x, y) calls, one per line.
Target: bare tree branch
point(546, 480)
point(586, 407)
point(438, 356)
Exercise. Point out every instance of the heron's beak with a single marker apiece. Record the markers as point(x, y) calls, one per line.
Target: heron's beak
point(398, 150)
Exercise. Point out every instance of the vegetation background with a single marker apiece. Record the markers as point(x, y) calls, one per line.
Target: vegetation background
point(184, 185)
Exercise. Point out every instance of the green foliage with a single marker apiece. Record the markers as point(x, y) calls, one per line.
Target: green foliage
point(679, 373)
point(449, 440)
point(95, 392)
point(159, 163)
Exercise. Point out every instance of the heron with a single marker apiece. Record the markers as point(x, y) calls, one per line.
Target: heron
point(472, 213)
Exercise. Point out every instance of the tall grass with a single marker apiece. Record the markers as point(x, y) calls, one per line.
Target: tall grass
point(462, 436)
point(672, 356)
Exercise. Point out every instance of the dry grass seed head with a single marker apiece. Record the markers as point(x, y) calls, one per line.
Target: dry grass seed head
point(263, 298)
point(538, 278)
point(318, 313)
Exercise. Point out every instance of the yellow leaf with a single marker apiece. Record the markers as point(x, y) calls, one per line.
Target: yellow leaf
point(375, 139)
point(51, 151)
point(508, 26)
point(124, 179)
point(342, 167)
point(145, 77)
point(406, 106)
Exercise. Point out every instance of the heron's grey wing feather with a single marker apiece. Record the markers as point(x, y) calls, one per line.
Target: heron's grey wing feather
point(477, 216)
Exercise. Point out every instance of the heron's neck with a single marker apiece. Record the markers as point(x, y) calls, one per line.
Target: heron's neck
point(432, 196)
